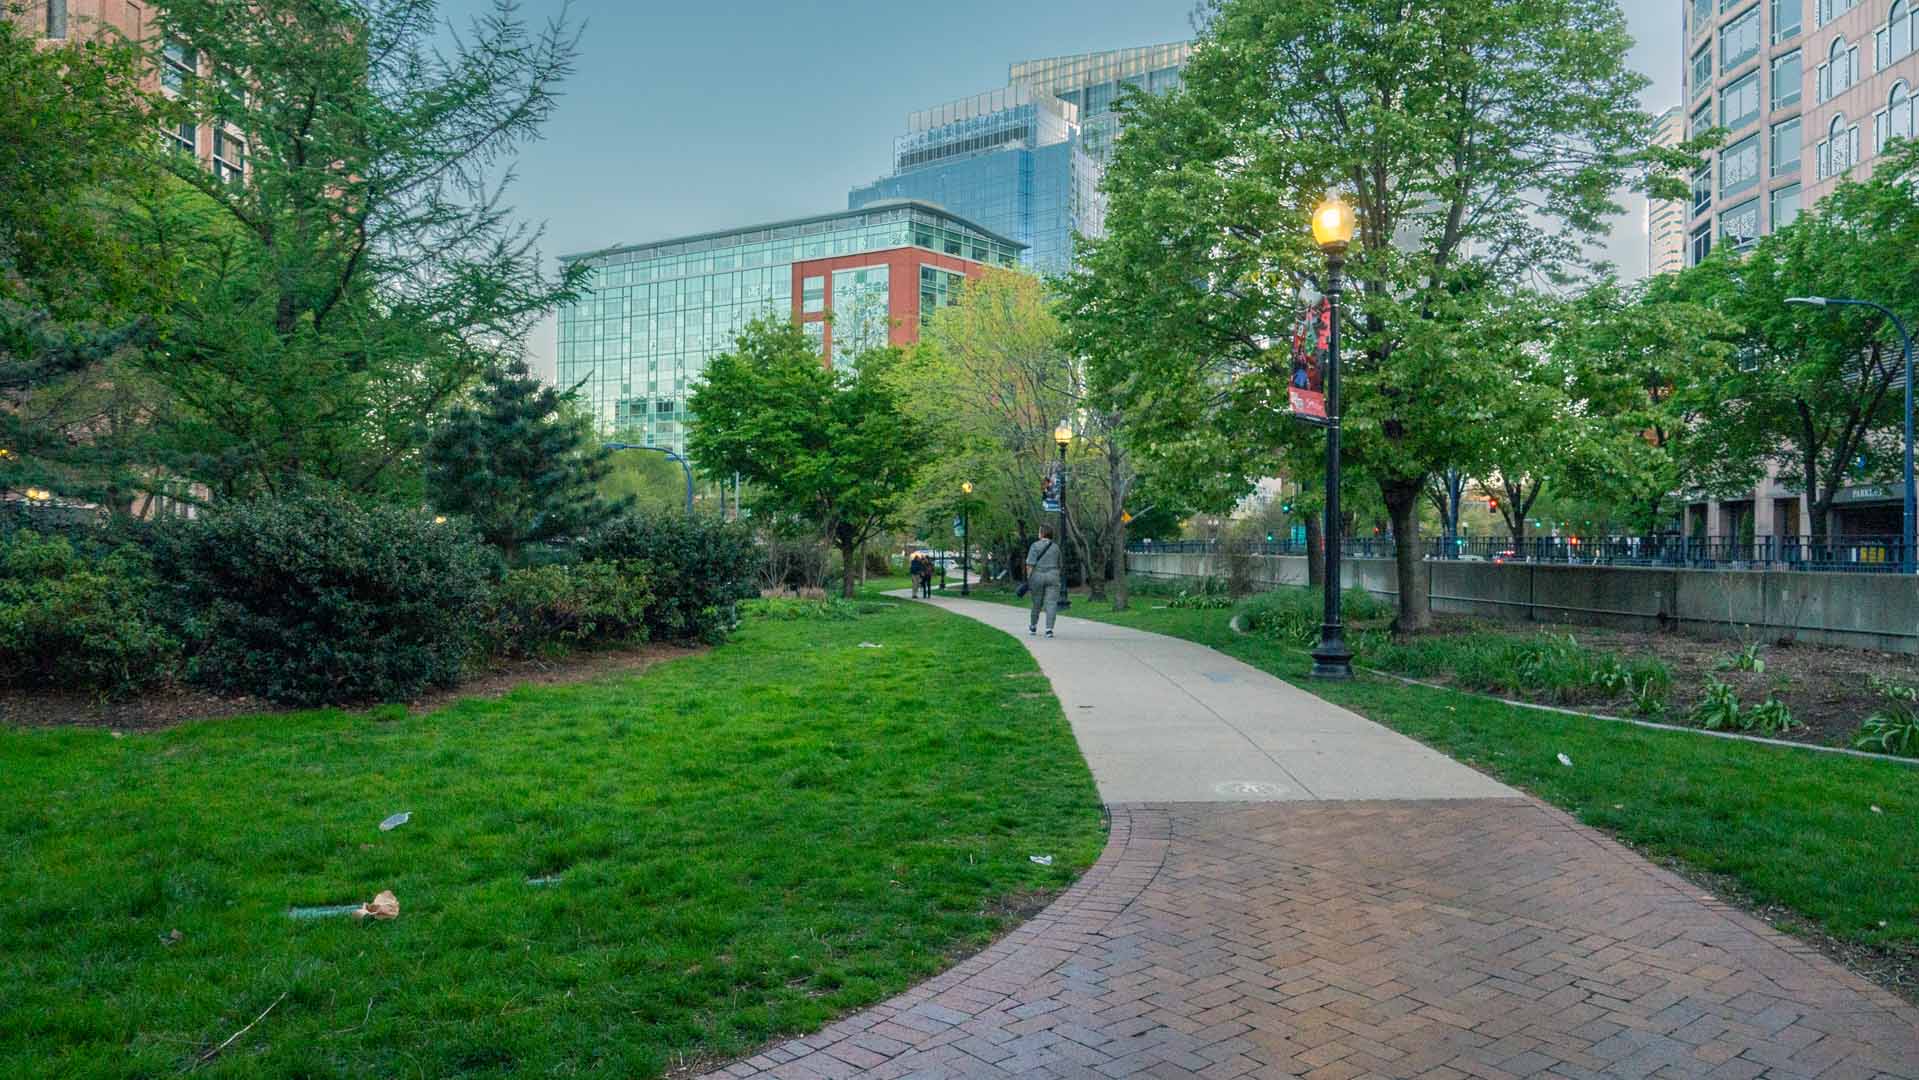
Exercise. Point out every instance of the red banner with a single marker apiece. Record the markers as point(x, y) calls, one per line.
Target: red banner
point(1312, 341)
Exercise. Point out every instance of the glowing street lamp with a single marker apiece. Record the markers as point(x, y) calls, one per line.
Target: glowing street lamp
point(966, 538)
point(1333, 228)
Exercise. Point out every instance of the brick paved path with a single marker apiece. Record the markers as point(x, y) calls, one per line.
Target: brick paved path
point(1488, 938)
point(1468, 936)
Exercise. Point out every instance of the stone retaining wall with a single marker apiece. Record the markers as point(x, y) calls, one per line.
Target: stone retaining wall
point(1870, 611)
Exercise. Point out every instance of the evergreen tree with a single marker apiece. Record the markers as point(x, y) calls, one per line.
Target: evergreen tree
point(521, 462)
point(76, 294)
point(350, 269)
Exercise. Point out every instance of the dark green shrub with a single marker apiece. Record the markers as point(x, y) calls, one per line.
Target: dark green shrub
point(79, 620)
point(315, 600)
point(542, 610)
point(702, 567)
point(1293, 615)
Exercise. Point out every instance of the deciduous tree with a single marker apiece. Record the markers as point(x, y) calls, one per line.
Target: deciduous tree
point(832, 447)
point(1481, 143)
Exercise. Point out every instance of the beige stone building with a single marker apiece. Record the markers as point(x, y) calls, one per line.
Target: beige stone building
point(1666, 220)
point(1810, 91)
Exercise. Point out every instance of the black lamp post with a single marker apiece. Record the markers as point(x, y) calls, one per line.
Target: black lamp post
point(966, 538)
point(1906, 552)
point(685, 466)
point(1333, 231)
point(1062, 437)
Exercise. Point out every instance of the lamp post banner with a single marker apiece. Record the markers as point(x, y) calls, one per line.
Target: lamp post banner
point(1307, 387)
point(1052, 490)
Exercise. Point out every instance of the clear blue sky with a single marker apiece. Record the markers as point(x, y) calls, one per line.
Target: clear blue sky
point(689, 115)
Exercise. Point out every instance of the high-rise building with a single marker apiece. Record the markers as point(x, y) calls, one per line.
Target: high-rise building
point(1026, 160)
point(219, 147)
point(1009, 159)
point(1810, 92)
point(1666, 219)
point(1091, 83)
point(653, 314)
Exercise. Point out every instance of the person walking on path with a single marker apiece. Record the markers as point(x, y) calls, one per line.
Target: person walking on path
point(1043, 580)
point(922, 581)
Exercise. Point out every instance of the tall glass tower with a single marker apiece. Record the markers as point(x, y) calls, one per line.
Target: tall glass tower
point(1026, 160)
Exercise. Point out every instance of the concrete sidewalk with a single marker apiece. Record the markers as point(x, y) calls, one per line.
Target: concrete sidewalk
point(1289, 890)
point(1165, 720)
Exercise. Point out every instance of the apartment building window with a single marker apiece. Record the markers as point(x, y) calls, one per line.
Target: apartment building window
point(1832, 9)
point(180, 64)
point(229, 155)
point(1785, 206)
point(1786, 145)
point(1739, 166)
point(1840, 70)
point(1838, 151)
point(813, 295)
point(1701, 15)
point(1786, 74)
point(1788, 18)
point(185, 137)
point(1739, 104)
point(1701, 120)
point(1739, 40)
point(1739, 226)
point(1895, 120)
point(56, 18)
point(1702, 70)
point(1893, 41)
point(1701, 189)
point(1701, 243)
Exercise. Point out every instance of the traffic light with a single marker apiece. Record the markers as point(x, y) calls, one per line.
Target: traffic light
point(1286, 507)
point(1492, 504)
point(1269, 538)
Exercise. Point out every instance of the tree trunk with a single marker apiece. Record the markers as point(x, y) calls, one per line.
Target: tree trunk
point(848, 553)
point(1415, 586)
point(1315, 554)
point(1119, 565)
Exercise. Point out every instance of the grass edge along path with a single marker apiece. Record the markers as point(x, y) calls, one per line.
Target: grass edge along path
point(1824, 845)
point(748, 844)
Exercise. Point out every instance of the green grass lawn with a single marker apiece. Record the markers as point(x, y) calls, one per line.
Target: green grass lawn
point(1788, 827)
point(749, 842)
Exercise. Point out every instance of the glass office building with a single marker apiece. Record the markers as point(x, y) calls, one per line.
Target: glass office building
point(653, 314)
point(1009, 159)
point(1091, 82)
point(1026, 160)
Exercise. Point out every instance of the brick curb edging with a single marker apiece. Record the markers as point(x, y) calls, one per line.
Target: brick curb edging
point(930, 1014)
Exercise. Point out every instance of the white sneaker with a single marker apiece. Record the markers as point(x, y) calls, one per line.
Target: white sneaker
point(1031, 630)
point(1049, 633)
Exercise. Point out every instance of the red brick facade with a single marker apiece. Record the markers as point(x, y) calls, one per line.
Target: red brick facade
point(902, 286)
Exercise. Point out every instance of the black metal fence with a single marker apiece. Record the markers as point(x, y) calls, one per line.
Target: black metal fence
point(1848, 554)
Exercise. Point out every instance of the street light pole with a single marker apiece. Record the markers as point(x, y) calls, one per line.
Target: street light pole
point(966, 538)
point(1333, 230)
point(685, 466)
point(1062, 436)
point(1907, 552)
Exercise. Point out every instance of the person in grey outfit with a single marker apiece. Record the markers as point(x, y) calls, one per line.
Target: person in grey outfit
point(1043, 579)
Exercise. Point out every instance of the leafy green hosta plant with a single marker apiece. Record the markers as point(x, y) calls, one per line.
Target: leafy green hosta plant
point(1894, 727)
point(1648, 695)
point(1719, 709)
point(1746, 659)
point(1770, 717)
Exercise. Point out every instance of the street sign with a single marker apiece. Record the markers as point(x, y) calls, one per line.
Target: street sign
point(959, 526)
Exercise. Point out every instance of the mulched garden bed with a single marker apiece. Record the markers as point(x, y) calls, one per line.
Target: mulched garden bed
point(166, 706)
point(1825, 687)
